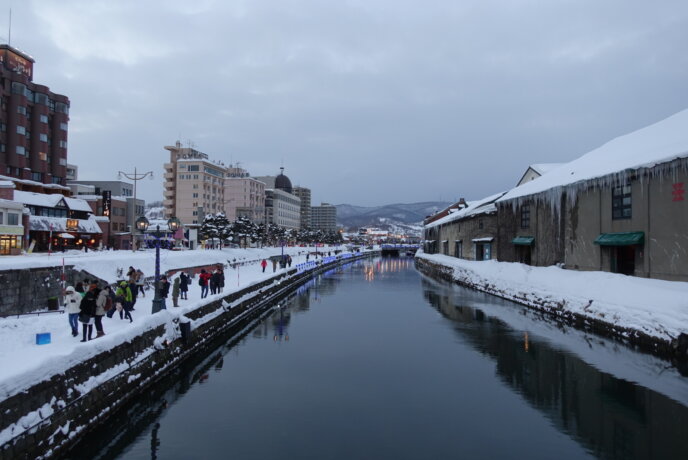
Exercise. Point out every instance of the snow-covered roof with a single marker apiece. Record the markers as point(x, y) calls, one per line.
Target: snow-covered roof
point(77, 204)
point(659, 143)
point(6, 184)
point(34, 183)
point(544, 168)
point(484, 206)
point(59, 224)
point(50, 200)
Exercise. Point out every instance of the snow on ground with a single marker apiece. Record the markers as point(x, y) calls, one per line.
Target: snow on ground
point(655, 307)
point(606, 355)
point(24, 363)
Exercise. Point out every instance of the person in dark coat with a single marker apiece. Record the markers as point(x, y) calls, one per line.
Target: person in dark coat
point(220, 279)
point(88, 311)
point(163, 290)
point(214, 282)
point(183, 286)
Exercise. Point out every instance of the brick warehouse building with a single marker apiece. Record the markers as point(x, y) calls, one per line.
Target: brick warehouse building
point(33, 127)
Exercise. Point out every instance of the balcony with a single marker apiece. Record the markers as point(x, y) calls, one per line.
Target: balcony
point(168, 203)
point(169, 176)
point(168, 194)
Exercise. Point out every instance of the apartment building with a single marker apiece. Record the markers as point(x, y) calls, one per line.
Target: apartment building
point(194, 185)
point(33, 127)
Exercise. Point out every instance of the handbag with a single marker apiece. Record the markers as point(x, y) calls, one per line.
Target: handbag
point(84, 318)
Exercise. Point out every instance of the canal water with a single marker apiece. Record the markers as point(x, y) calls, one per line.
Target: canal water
point(375, 361)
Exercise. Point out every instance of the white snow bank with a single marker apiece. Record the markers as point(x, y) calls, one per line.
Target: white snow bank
point(658, 143)
point(655, 307)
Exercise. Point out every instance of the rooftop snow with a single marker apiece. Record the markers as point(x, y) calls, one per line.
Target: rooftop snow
point(544, 168)
point(658, 143)
point(484, 206)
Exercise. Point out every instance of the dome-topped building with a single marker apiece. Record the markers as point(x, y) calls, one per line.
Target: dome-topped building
point(282, 182)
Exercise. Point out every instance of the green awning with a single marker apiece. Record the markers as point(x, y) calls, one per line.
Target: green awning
point(523, 240)
point(620, 239)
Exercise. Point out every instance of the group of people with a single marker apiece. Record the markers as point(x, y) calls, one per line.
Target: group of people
point(87, 303)
point(284, 261)
point(214, 280)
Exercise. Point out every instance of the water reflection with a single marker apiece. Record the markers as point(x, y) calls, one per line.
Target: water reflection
point(612, 417)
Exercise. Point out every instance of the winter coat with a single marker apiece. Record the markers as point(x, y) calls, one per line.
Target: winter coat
point(221, 279)
point(204, 278)
point(72, 302)
point(88, 303)
point(175, 288)
point(132, 276)
point(124, 291)
point(100, 302)
point(140, 278)
point(164, 289)
point(215, 279)
point(264, 263)
point(183, 282)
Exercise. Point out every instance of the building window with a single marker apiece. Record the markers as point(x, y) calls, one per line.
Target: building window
point(2, 147)
point(3, 127)
point(57, 180)
point(20, 150)
point(21, 109)
point(43, 137)
point(21, 129)
point(63, 144)
point(36, 176)
point(621, 202)
point(43, 118)
point(525, 216)
point(480, 224)
point(458, 249)
point(12, 219)
point(63, 126)
point(193, 168)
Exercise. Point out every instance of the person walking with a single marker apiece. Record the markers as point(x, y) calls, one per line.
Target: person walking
point(184, 285)
point(140, 280)
point(88, 311)
point(203, 280)
point(289, 261)
point(274, 265)
point(264, 263)
point(72, 308)
point(131, 275)
point(123, 297)
point(103, 304)
point(175, 291)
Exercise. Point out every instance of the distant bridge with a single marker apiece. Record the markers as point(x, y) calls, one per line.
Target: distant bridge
point(396, 249)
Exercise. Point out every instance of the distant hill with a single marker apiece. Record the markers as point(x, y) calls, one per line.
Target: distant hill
point(387, 217)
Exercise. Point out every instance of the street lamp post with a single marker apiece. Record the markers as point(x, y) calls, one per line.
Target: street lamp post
point(135, 176)
point(172, 224)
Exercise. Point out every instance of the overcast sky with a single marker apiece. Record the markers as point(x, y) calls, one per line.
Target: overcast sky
point(366, 102)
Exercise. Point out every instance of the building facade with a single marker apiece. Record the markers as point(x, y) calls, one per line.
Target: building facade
point(305, 195)
point(33, 127)
point(283, 209)
point(244, 196)
point(194, 185)
point(324, 217)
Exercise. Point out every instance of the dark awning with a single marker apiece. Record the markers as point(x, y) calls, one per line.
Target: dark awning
point(620, 239)
point(523, 240)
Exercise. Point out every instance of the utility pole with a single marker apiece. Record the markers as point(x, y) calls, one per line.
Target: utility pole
point(135, 176)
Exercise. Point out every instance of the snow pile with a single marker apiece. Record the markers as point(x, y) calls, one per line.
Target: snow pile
point(659, 143)
point(657, 308)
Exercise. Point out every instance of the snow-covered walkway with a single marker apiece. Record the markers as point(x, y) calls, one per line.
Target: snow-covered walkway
point(24, 363)
point(654, 307)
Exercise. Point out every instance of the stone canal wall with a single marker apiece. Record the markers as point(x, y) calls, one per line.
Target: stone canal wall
point(29, 290)
point(46, 419)
point(676, 350)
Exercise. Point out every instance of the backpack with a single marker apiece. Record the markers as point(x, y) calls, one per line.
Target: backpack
point(200, 281)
